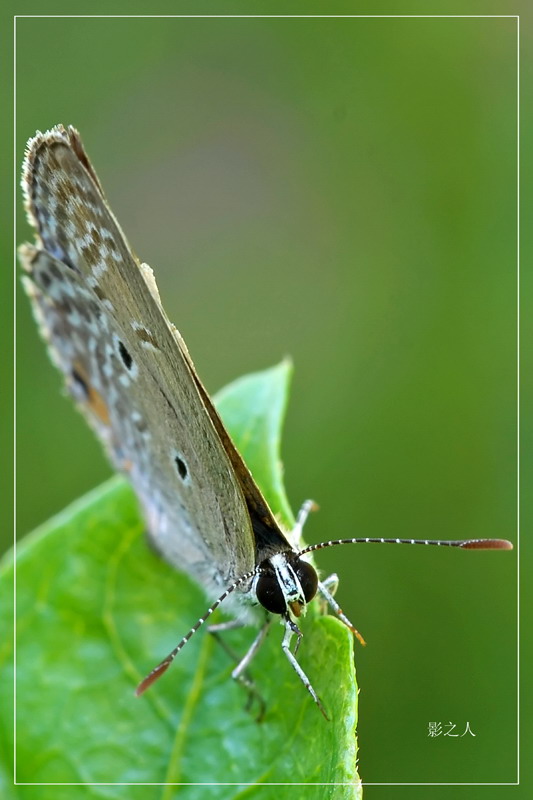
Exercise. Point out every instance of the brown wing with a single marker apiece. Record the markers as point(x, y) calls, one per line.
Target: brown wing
point(130, 371)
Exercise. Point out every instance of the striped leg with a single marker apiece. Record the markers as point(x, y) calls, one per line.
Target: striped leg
point(333, 581)
point(290, 630)
point(239, 673)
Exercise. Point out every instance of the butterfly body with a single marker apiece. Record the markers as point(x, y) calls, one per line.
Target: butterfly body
point(130, 373)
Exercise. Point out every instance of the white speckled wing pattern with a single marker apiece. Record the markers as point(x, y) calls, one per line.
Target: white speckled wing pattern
point(130, 373)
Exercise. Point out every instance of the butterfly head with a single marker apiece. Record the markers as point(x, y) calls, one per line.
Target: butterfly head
point(285, 583)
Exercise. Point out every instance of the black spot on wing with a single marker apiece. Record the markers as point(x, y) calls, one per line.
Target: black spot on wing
point(183, 472)
point(125, 355)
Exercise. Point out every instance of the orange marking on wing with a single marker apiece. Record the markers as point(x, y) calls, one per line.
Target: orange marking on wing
point(95, 401)
point(97, 405)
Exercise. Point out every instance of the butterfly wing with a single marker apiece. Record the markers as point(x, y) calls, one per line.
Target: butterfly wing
point(127, 367)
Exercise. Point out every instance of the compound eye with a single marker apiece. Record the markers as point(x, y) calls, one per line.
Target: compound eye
point(269, 593)
point(308, 579)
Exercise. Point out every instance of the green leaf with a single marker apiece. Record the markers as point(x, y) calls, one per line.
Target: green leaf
point(253, 408)
point(96, 609)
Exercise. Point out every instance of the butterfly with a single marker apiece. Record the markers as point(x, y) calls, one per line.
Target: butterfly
point(129, 371)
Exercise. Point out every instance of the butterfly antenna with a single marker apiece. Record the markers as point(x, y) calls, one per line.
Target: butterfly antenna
point(161, 668)
point(465, 544)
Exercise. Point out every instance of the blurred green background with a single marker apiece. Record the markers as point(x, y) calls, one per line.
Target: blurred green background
point(343, 191)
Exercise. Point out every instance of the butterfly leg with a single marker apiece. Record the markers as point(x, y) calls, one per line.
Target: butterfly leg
point(253, 649)
point(290, 630)
point(220, 627)
point(333, 581)
point(239, 673)
point(230, 625)
point(301, 519)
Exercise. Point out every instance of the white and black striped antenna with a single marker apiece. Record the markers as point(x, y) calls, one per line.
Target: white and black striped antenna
point(161, 668)
point(465, 544)
point(294, 557)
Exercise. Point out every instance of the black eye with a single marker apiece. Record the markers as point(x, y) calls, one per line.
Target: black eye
point(269, 593)
point(308, 579)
